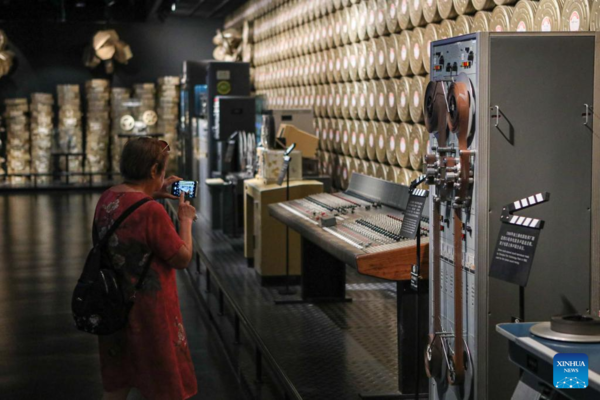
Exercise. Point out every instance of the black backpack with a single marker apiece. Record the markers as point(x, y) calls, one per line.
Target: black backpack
point(99, 305)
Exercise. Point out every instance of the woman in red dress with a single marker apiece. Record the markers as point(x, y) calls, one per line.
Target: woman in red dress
point(151, 354)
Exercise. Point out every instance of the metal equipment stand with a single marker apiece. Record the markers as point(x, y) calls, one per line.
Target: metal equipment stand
point(329, 284)
point(415, 276)
point(404, 332)
point(405, 336)
point(287, 291)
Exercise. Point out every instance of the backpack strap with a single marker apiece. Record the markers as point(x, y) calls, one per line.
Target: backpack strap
point(140, 282)
point(118, 222)
point(101, 242)
point(95, 238)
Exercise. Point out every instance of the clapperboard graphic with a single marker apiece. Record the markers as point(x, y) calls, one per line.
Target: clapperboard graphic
point(414, 209)
point(517, 241)
point(412, 222)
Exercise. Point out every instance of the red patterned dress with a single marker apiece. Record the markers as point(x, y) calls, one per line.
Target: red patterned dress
point(151, 353)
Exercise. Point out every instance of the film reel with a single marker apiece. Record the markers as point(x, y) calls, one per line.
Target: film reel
point(149, 118)
point(127, 123)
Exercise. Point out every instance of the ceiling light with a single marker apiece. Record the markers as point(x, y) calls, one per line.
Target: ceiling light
point(173, 7)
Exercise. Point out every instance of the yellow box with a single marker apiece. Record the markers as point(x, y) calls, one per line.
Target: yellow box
point(305, 142)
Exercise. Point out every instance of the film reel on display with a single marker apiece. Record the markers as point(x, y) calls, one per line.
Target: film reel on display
point(127, 123)
point(453, 122)
point(149, 118)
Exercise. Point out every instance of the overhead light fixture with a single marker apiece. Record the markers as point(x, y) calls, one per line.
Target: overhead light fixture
point(80, 4)
point(166, 8)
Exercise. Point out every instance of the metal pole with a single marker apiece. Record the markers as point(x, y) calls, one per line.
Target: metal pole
point(287, 290)
point(418, 371)
point(287, 235)
point(521, 304)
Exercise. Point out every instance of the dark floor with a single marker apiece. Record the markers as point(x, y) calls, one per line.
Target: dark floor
point(44, 239)
point(327, 351)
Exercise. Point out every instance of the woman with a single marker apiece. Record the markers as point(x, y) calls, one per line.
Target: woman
point(151, 354)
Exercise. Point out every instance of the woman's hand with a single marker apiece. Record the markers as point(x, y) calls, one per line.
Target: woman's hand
point(185, 210)
point(163, 193)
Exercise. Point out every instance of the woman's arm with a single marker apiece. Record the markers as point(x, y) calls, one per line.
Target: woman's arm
point(186, 214)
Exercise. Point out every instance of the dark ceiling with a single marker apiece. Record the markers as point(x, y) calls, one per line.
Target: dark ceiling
point(114, 10)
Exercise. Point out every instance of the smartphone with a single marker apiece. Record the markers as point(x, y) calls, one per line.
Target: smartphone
point(190, 188)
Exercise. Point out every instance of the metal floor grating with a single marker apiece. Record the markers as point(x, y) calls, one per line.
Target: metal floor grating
point(328, 351)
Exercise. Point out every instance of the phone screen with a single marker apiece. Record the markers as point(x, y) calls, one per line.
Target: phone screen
point(188, 187)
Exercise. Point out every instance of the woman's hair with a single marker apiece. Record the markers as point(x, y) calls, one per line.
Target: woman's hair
point(139, 156)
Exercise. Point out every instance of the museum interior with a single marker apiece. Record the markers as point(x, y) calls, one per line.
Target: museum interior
point(348, 199)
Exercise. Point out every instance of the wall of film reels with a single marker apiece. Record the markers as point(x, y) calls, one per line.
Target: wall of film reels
point(363, 66)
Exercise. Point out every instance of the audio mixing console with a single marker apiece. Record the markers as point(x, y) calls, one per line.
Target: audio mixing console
point(361, 228)
point(362, 225)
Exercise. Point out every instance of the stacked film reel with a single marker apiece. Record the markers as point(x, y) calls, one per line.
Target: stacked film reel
point(70, 131)
point(118, 110)
point(97, 92)
point(248, 48)
point(2, 158)
point(145, 110)
point(168, 113)
point(42, 133)
point(18, 150)
point(106, 47)
point(33, 139)
point(362, 66)
point(6, 56)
